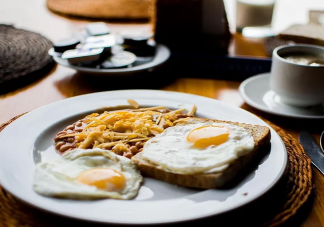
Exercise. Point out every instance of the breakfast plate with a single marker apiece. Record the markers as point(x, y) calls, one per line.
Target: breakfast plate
point(157, 202)
point(256, 92)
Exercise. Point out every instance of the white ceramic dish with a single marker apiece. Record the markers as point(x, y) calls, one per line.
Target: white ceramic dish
point(256, 92)
point(29, 140)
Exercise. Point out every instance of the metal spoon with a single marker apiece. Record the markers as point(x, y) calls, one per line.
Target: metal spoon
point(322, 141)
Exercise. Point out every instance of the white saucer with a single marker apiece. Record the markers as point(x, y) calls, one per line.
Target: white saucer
point(256, 92)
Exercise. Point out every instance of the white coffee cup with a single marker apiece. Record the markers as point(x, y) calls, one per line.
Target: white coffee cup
point(296, 84)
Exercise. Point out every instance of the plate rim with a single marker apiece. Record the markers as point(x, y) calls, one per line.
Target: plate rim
point(250, 101)
point(38, 206)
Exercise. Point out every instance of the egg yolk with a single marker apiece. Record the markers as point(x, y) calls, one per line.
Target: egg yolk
point(103, 178)
point(206, 136)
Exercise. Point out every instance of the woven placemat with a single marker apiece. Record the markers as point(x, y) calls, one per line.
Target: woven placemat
point(103, 9)
point(24, 57)
point(298, 177)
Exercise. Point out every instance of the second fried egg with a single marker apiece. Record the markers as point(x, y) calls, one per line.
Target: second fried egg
point(198, 148)
point(88, 174)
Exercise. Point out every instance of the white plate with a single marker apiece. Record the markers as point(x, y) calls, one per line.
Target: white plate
point(256, 92)
point(29, 140)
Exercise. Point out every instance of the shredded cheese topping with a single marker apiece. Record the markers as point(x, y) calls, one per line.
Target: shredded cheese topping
point(116, 129)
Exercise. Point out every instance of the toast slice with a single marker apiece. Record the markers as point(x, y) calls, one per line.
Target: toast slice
point(261, 136)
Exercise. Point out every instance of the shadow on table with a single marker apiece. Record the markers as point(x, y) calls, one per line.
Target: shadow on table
point(78, 84)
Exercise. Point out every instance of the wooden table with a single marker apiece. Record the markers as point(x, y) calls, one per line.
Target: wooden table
point(63, 83)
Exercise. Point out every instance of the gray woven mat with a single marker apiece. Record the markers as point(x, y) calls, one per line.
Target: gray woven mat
point(23, 57)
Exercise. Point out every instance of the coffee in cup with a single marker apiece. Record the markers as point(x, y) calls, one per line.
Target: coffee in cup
point(303, 58)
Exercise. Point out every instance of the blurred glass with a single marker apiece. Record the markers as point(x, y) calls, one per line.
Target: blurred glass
point(253, 17)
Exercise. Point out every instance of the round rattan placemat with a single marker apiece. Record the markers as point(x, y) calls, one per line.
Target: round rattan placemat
point(103, 9)
point(24, 57)
point(298, 177)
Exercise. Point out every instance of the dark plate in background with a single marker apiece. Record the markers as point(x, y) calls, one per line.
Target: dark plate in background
point(161, 56)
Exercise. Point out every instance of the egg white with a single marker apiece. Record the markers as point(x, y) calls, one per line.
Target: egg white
point(172, 152)
point(57, 178)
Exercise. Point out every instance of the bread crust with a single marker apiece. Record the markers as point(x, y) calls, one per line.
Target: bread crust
point(261, 136)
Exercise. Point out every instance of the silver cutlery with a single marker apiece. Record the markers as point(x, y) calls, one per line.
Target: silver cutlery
point(322, 141)
point(312, 150)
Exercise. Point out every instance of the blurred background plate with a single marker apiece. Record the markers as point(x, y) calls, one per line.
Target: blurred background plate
point(161, 56)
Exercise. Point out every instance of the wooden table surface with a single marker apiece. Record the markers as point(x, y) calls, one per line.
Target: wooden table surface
point(63, 83)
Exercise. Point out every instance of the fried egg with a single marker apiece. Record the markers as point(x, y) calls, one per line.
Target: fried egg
point(88, 174)
point(198, 148)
